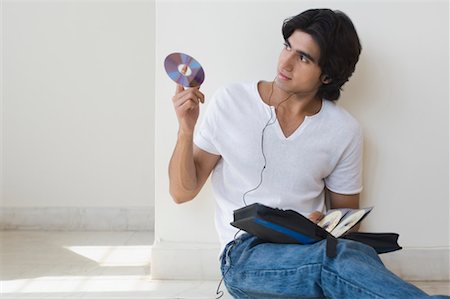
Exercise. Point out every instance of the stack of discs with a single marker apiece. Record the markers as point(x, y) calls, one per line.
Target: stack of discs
point(184, 70)
point(330, 220)
point(348, 222)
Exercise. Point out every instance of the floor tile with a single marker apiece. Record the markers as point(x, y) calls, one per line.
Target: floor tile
point(95, 265)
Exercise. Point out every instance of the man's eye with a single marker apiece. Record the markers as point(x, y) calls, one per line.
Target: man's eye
point(303, 58)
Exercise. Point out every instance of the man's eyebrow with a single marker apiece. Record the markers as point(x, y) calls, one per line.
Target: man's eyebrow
point(301, 52)
point(307, 55)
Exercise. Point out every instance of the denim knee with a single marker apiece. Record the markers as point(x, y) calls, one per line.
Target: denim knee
point(353, 249)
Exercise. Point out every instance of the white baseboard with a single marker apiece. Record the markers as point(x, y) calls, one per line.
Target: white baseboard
point(75, 218)
point(185, 261)
point(429, 263)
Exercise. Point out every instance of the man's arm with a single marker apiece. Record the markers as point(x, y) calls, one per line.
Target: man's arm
point(189, 166)
point(189, 169)
point(339, 201)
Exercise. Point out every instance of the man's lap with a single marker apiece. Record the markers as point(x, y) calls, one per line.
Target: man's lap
point(260, 269)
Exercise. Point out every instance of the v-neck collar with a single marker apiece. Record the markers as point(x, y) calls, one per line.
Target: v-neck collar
point(271, 113)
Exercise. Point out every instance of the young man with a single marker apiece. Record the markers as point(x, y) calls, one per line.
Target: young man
point(285, 144)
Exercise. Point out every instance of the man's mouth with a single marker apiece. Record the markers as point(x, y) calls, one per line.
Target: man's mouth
point(283, 77)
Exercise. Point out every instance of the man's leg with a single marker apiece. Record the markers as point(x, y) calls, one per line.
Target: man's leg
point(357, 272)
point(266, 270)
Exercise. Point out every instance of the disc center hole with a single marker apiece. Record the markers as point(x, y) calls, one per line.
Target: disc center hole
point(188, 69)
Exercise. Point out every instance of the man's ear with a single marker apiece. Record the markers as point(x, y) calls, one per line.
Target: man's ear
point(326, 79)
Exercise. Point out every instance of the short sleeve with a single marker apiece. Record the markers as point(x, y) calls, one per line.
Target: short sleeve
point(204, 136)
point(346, 177)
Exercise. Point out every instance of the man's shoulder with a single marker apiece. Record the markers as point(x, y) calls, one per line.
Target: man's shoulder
point(340, 118)
point(235, 93)
point(236, 88)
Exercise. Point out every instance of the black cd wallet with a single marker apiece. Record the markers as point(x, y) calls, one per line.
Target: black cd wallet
point(289, 227)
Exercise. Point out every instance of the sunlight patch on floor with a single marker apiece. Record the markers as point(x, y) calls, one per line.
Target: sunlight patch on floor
point(104, 256)
point(114, 256)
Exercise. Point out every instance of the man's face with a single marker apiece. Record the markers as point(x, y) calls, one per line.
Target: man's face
point(298, 69)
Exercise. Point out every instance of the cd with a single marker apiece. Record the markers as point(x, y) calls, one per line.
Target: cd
point(330, 220)
point(347, 223)
point(193, 75)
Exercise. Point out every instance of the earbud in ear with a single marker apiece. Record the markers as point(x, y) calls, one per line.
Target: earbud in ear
point(326, 79)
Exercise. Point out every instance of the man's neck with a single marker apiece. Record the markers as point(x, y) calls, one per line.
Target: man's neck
point(294, 103)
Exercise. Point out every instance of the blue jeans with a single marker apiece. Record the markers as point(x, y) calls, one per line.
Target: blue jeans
point(255, 269)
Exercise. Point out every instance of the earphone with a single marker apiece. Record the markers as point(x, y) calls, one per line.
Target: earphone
point(270, 122)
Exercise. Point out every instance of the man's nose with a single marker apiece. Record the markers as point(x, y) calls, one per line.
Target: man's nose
point(287, 62)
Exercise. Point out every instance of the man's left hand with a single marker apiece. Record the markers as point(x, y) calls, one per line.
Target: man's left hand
point(315, 216)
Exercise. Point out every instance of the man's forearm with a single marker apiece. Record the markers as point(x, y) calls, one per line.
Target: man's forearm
point(182, 170)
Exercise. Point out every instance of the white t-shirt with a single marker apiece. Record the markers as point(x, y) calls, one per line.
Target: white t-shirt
point(326, 150)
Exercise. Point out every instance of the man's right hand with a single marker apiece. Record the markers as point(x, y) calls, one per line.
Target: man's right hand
point(186, 103)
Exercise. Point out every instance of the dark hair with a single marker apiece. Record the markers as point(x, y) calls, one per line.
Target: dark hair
point(338, 42)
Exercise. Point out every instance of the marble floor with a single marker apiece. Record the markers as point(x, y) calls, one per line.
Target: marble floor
point(95, 265)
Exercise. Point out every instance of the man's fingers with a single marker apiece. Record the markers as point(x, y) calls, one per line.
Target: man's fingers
point(186, 98)
point(316, 216)
point(191, 104)
point(189, 94)
point(196, 90)
point(199, 94)
point(179, 88)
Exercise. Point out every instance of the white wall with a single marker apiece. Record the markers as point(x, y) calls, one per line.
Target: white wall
point(399, 93)
point(78, 108)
